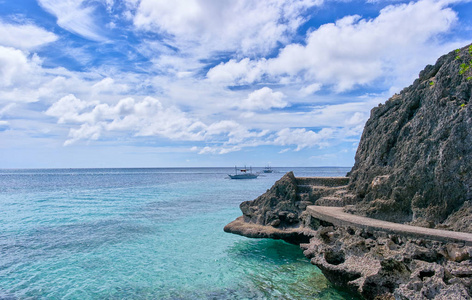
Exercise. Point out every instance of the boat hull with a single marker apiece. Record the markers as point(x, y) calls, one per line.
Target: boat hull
point(243, 176)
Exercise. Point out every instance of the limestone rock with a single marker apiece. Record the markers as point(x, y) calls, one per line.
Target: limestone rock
point(282, 205)
point(414, 160)
point(379, 266)
point(413, 165)
point(279, 207)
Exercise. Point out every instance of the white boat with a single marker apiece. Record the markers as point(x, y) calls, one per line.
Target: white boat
point(268, 169)
point(243, 174)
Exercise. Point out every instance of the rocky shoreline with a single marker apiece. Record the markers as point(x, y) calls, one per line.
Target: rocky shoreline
point(413, 166)
point(370, 263)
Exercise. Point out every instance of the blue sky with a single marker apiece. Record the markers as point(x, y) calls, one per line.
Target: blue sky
point(187, 83)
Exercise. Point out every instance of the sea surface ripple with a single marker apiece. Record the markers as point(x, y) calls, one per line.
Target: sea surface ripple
point(144, 234)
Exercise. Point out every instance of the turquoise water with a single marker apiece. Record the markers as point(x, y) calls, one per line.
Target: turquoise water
point(144, 234)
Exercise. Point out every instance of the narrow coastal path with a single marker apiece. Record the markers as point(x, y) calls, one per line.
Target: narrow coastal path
point(337, 216)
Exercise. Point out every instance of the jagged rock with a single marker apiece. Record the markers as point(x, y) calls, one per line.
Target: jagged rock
point(414, 160)
point(414, 165)
point(458, 254)
point(460, 220)
point(278, 207)
point(376, 265)
point(282, 205)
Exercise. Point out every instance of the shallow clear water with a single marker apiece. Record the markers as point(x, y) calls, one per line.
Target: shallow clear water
point(144, 234)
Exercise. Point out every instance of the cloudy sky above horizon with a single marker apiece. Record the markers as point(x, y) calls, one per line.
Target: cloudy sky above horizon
point(186, 83)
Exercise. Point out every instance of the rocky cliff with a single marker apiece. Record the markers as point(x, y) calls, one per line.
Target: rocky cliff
point(413, 165)
point(414, 160)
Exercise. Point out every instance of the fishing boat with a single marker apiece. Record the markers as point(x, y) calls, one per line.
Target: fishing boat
point(268, 169)
point(243, 174)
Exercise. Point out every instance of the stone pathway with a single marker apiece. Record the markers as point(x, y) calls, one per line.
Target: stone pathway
point(337, 216)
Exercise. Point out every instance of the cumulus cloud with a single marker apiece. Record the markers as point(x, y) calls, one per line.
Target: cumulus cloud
point(247, 26)
point(353, 51)
point(147, 117)
point(15, 66)
point(23, 78)
point(144, 118)
point(107, 85)
point(299, 138)
point(237, 72)
point(174, 42)
point(303, 138)
point(74, 16)
point(24, 36)
point(222, 127)
point(68, 109)
point(90, 120)
point(264, 99)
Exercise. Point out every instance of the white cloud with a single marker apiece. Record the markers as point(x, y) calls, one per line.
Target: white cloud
point(15, 66)
point(224, 126)
point(219, 150)
point(284, 150)
point(355, 51)
point(356, 119)
point(303, 138)
point(74, 16)
point(4, 125)
point(264, 99)
point(108, 104)
point(89, 120)
point(300, 138)
point(147, 117)
point(23, 78)
point(107, 85)
point(310, 89)
point(247, 26)
point(85, 131)
point(68, 109)
point(24, 37)
point(234, 72)
point(6, 108)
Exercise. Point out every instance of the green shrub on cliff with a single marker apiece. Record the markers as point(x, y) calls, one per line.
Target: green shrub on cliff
point(464, 67)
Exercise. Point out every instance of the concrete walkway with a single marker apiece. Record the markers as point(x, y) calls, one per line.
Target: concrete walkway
point(337, 216)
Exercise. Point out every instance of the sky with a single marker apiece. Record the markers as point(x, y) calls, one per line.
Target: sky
point(207, 83)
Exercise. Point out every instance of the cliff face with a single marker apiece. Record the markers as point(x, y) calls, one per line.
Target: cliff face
point(413, 164)
point(414, 160)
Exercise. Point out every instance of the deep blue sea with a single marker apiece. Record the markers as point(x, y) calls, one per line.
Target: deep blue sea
point(144, 234)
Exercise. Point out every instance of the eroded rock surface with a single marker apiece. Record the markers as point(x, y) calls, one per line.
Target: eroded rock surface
point(376, 264)
point(413, 165)
point(282, 205)
point(414, 160)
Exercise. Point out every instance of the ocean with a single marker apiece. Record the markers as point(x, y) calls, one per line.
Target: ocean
point(144, 234)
